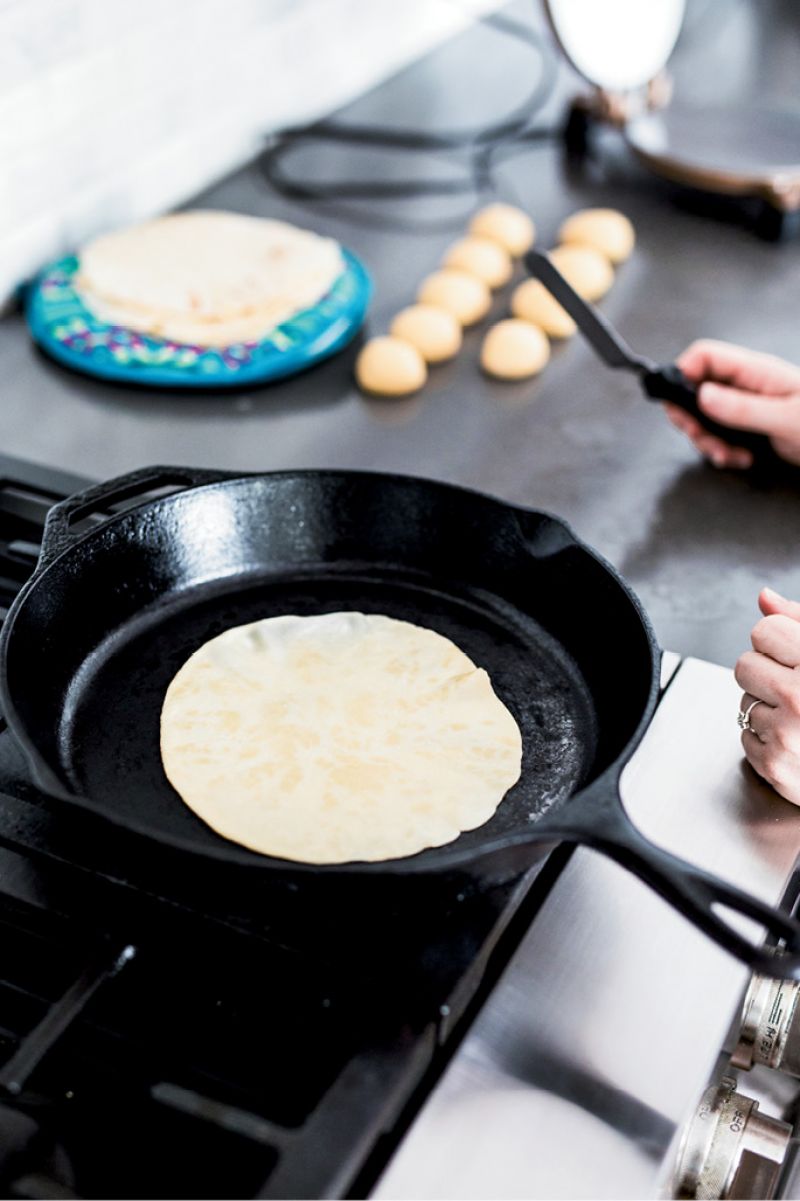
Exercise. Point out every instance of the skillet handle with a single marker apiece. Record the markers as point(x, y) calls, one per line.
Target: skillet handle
point(697, 894)
point(670, 384)
point(58, 531)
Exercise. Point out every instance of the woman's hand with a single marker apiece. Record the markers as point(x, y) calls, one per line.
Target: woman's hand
point(745, 390)
point(770, 675)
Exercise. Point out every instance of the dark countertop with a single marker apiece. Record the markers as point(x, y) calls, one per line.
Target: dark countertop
point(695, 543)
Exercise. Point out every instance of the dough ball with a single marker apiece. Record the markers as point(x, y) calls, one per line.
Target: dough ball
point(483, 258)
point(390, 367)
point(532, 302)
point(467, 298)
point(605, 230)
point(504, 223)
point(514, 349)
point(589, 271)
point(435, 332)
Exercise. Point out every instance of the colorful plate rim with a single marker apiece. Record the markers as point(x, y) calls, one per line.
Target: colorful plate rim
point(63, 327)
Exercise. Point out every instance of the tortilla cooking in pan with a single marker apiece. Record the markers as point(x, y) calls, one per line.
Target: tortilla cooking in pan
point(336, 738)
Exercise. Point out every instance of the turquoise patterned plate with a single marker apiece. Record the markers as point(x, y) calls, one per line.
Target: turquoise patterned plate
point(62, 325)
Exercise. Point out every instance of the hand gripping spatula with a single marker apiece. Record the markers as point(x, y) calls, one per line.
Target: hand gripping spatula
point(658, 382)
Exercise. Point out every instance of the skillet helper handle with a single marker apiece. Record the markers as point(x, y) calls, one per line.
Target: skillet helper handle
point(697, 894)
point(670, 384)
point(58, 531)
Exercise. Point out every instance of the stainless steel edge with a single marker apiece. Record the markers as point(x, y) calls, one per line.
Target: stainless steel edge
point(594, 1049)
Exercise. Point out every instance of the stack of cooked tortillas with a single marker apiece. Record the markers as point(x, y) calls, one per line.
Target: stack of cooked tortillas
point(338, 737)
point(206, 278)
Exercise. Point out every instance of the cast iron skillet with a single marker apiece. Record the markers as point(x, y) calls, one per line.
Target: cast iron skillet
point(111, 613)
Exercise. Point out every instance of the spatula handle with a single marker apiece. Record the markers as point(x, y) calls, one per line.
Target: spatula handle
point(670, 384)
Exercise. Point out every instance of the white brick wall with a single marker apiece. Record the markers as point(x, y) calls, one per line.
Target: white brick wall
point(112, 110)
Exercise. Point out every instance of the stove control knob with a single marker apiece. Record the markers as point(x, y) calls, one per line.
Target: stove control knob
point(770, 1032)
point(730, 1150)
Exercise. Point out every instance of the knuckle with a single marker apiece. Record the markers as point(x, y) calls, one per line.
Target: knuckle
point(742, 668)
point(774, 632)
point(780, 766)
point(760, 632)
point(790, 699)
point(785, 736)
point(773, 768)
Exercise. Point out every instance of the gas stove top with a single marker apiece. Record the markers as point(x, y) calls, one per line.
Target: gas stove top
point(165, 1033)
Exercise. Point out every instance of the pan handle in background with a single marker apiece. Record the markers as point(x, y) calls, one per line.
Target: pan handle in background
point(669, 384)
point(58, 530)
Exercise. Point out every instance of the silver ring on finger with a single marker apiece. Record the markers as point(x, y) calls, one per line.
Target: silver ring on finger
point(743, 717)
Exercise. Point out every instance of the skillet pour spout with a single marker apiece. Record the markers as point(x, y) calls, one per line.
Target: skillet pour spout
point(120, 599)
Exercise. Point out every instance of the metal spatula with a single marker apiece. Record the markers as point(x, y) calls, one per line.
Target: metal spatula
point(665, 382)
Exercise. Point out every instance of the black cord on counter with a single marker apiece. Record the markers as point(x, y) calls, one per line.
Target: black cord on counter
point(478, 144)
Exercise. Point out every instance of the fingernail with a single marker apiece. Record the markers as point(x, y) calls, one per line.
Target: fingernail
point(718, 458)
point(772, 594)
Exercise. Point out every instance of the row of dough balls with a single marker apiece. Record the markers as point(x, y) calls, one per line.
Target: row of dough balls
point(459, 295)
point(592, 242)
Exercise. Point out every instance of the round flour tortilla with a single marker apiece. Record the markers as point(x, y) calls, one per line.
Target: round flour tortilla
point(206, 278)
point(336, 738)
